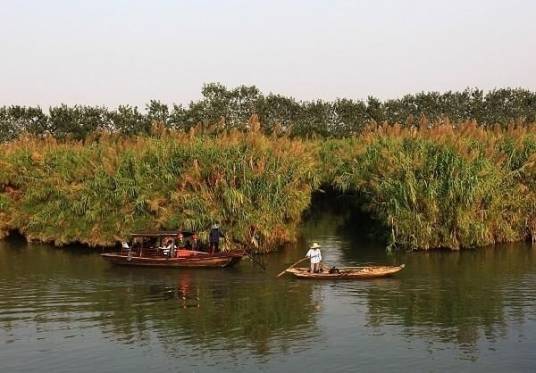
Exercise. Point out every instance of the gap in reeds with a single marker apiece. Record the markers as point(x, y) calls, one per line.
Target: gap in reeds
point(349, 214)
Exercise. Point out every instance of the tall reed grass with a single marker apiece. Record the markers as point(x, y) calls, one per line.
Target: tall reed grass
point(448, 186)
point(97, 192)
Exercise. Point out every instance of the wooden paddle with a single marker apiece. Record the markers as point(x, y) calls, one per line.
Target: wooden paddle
point(298, 262)
point(255, 261)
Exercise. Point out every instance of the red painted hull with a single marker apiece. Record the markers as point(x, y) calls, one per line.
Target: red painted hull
point(219, 260)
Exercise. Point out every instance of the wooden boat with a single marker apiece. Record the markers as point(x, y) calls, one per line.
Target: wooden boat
point(147, 251)
point(194, 260)
point(348, 273)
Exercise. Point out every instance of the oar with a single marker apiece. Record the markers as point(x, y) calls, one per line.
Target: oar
point(298, 262)
point(255, 260)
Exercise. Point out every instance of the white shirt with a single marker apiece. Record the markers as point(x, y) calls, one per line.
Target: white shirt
point(315, 255)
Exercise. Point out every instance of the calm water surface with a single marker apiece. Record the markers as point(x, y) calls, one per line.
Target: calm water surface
point(66, 310)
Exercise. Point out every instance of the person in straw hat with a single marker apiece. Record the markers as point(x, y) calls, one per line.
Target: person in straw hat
point(315, 256)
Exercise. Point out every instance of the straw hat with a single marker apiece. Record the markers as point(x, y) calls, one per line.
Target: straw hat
point(315, 245)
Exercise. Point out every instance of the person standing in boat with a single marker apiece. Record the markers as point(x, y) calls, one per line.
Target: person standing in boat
point(214, 239)
point(315, 256)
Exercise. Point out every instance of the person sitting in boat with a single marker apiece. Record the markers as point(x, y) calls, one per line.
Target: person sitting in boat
point(188, 245)
point(125, 246)
point(173, 249)
point(180, 240)
point(194, 242)
point(214, 239)
point(168, 248)
point(315, 256)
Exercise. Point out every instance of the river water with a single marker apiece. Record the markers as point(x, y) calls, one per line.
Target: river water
point(66, 310)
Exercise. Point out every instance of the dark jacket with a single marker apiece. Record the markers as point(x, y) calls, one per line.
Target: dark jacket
point(214, 235)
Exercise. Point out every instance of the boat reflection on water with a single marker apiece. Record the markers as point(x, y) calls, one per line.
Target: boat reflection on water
point(185, 293)
point(207, 308)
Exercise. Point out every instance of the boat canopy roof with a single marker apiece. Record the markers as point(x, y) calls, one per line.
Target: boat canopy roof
point(162, 233)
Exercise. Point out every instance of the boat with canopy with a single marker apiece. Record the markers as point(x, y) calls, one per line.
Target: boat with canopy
point(170, 249)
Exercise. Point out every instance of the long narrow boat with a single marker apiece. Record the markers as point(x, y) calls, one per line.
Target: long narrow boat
point(199, 259)
point(348, 273)
point(147, 251)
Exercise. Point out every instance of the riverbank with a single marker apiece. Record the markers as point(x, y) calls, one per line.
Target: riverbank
point(451, 186)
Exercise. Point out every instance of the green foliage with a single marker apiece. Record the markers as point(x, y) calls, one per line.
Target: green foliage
point(441, 188)
point(98, 192)
point(445, 186)
point(233, 109)
point(15, 120)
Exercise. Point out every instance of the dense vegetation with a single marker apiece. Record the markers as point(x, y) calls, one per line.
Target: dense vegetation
point(232, 108)
point(450, 186)
point(435, 186)
point(96, 192)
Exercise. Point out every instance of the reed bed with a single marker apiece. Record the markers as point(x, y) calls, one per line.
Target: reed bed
point(97, 192)
point(441, 187)
point(449, 186)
